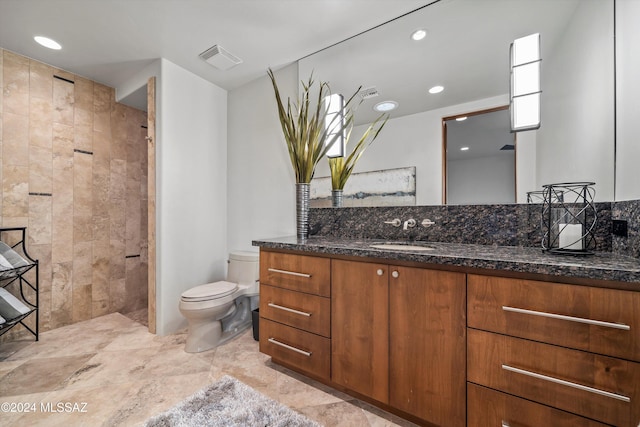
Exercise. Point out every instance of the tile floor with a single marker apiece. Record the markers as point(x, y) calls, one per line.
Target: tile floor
point(125, 375)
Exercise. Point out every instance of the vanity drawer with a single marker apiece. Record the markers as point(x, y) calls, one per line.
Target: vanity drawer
point(303, 311)
point(603, 388)
point(490, 408)
point(292, 347)
point(296, 272)
point(605, 321)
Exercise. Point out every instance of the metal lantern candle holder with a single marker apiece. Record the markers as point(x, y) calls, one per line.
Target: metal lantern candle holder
point(569, 218)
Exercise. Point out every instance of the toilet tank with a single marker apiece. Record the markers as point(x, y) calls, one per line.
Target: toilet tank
point(244, 267)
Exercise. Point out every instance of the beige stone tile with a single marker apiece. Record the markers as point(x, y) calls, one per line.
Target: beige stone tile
point(134, 153)
point(15, 221)
point(118, 180)
point(82, 185)
point(135, 337)
point(61, 294)
point(100, 307)
point(82, 264)
point(103, 97)
point(44, 308)
point(64, 74)
point(82, 228)
point(133, 226)
point(42, 252)
point(63, 101)
point(41, 122)
point(15, 193)
point(117, 215)
point(82, 301)
point(117, 294)
point(1, 85)
point(38, 375)
point(40, 80)
point(83, 129)
point(154, 397)
point(40, 170)
point(15, 139)
point(101, 226)
point(101, 150)
point(40, 214)
point(83, 95)
point(14, 418)
point(101, 191)
point(15, 85)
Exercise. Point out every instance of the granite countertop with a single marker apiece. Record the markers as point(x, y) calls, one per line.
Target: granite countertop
point(600, 266)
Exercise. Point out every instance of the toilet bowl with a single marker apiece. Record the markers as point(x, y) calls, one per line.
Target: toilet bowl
point(219, 311)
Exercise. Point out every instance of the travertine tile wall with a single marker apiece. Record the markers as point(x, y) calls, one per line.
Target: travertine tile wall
point(74, 171)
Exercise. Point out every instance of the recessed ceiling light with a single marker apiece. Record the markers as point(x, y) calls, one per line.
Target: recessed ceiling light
point(464, 148)
point(47, 42)
point(385, 106)
point(436, 89)
point(418, 34)
point(461, 119)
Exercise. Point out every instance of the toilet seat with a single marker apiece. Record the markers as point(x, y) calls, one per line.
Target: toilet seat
point(209, 291)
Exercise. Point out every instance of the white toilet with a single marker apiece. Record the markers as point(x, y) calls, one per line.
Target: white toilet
point(217, 312)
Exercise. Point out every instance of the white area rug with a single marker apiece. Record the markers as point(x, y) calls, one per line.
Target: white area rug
point(229, 403)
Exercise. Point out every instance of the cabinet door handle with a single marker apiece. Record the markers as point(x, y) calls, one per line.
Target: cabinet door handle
point(291, 273)
point(380, 272)
point(504, 424)
point(287, 346)
point(567, 383)
point(290, 310)
point(395, 274)
point(569, 318)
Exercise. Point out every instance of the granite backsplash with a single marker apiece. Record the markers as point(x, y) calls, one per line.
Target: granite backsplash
point(629, 211)
point(500, 225)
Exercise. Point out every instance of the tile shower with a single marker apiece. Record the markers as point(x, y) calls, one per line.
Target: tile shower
point(73, 165)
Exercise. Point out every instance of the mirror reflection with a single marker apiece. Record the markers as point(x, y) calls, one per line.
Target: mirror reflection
point(466, 51)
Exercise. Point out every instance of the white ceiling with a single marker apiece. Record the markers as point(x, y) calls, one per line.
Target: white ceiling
point(108, 41)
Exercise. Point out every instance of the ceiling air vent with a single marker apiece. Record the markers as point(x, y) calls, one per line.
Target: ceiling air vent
point(220, 58)
point(370, 92)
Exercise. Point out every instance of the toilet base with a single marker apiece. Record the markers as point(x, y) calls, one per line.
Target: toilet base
point(208, 335)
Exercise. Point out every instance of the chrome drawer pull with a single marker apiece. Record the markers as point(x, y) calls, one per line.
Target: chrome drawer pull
point(570, 318)
point(290, 310)
point(297, 350)
point(567, 383)
point(291, 273)
point(505, 424)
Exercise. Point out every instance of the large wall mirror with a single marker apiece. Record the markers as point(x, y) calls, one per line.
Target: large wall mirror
point(466, 50)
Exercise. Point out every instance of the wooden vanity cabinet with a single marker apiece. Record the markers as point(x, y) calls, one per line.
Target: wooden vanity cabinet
point(398, 336)
point(295, 312)
point(570, 347)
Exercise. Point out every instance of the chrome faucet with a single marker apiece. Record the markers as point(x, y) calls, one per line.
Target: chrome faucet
point(410, 223)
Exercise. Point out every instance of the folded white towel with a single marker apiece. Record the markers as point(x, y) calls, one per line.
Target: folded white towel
point(10, 306)
point(9, 258)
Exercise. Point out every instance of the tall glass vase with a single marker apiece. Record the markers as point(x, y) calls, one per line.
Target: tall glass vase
point(302, 210)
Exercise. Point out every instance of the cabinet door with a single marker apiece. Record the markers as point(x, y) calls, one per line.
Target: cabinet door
point(427, 344)
point(360, 327)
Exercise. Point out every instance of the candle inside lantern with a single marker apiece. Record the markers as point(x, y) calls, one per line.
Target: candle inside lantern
point(570, 236)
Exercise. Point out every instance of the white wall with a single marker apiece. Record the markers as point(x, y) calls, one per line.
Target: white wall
point(261, 183)
point(481, 180)
point(414, 140)
point(628, 99)
point(191, 178)
point(575, 140)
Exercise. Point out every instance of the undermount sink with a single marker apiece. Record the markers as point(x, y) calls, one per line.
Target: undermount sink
point(400, 247)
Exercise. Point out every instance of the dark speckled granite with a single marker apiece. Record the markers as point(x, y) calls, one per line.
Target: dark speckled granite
point(603, 266)
point(502, 225)
point(629, 211)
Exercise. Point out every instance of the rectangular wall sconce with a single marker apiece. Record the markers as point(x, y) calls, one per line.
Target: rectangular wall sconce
point(334, 123)
point(524, 99)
